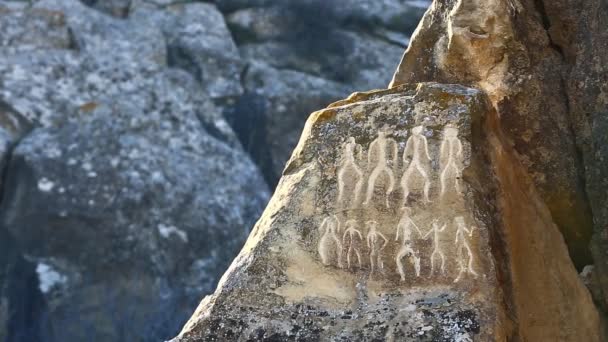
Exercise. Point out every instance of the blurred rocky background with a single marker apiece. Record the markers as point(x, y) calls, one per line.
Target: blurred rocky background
point(140, 141)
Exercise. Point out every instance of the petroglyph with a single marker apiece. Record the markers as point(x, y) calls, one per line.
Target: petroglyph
point(435, 231)
point(349, 165)
point(450, 157)
point(406, 250)
point(416, 147)
point(352, 233)
point(381, 144)
point(375, 246)
point(330, 247)
point(464, 253)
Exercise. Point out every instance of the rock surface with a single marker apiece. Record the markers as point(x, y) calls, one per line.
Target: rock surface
point(399, 217)
point(128, 199)
point(542, 65)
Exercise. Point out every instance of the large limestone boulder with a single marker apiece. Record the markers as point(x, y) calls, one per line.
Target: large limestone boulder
point(403, 214)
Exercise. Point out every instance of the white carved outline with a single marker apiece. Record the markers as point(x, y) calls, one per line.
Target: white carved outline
point(381, 143)
point(413, 147)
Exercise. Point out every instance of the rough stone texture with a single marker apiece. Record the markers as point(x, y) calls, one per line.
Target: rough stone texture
point(198, 41)
point(33, 28)
point(543, 66)
point(133, 182)
point(399, 217)
point(273, 101)
point(130, 197)
point(353, 44)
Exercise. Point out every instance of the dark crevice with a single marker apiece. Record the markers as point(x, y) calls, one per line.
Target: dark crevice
point(583, 260)
point(546, 21)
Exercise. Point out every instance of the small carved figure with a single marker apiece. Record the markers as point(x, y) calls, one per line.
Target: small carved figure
point(330, 246)
point(349, 164)
point(380, 144)
point(375, 246)
point(451, 156)
point(416, 147)
point(404, 229)
point(353, 246)
point(435, 230)
point(465, 255)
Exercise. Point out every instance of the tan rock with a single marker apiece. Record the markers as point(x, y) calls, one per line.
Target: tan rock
point(542, 63)
point(402, 215)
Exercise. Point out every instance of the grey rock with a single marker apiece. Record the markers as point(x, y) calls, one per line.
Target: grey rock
point(105, 37)
point(33, 29)
point(198, 41)
point(129, 216)
point(116, 8)
point(273, 110)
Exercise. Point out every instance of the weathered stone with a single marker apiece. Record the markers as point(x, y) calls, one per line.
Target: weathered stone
point(269, 117)
point(116, 8)
point(401, 216)
point(132, 178)
point(33, 29)
point(198, 41)
point(97, 34)
point(543, 67)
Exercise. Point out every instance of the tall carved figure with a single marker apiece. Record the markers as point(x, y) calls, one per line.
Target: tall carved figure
point(404, 228)
point(435, 231)
point(450, 157)
point(330, 246)
point(349, 165)
point(380, 146)
point(375, 245)
point(465, 255)
point(416, 147)
point(351, 232)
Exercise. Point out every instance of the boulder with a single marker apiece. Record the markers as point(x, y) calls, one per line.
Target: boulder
point(33, 29)
point(399, 216)
point(543, 66)
point(129, 214)
point(120, 208)
point(269, 117)
point(199, 42)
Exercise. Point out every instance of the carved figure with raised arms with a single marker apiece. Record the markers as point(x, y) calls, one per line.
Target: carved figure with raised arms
point(464, 253)
point(404, 229)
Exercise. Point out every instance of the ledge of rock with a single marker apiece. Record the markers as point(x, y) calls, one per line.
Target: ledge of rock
point(402, 215)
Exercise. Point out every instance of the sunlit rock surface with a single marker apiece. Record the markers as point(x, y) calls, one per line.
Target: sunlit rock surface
point(402, 215)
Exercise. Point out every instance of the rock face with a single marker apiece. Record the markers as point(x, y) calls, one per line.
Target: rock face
point(130, 195)
point(403, 214)
point(542, 65)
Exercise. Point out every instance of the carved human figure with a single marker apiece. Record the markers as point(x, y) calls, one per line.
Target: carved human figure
point(351, 233)
point(380, 146)
point(375, 245)
point(404, 229)
point(349, 164)
point(416, 147)
point(435, 231)
point(464, 253)
point(330, 246)
point(451, 157)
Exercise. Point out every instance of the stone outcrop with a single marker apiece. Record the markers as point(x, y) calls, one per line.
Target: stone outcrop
point(403, 214)
point(182, 87)
point(542, 65)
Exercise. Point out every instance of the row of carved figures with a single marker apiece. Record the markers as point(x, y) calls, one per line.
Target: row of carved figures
point(415, 156)
point(333, 243)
